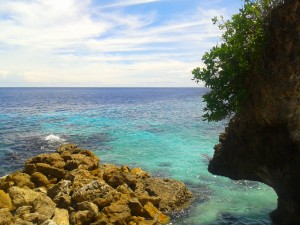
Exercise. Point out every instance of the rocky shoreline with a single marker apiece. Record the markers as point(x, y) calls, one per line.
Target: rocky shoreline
point(69, 187)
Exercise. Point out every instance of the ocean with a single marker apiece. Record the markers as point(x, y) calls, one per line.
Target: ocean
point(157, 129)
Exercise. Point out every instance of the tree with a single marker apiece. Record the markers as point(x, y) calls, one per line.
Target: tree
point(227, 66)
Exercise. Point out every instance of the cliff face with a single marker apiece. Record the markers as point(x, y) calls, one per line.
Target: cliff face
point(263, 142)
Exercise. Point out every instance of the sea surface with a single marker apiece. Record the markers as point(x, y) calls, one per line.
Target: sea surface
point(157, 129)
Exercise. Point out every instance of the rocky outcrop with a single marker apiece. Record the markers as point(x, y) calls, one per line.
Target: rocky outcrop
point(69, 187)
point(263, 142)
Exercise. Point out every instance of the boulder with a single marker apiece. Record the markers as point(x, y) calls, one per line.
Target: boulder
point(155, 214)
point(61, 217)
point(5, 217)
point(173, 194)
point(39, 179)
point(60, 193)
point(117, 212)
point(16, 179)
point(91, 191)
point(5, 201)
point(81, 218)
point(22, 196)
point(43, 205)
point(48, 170)
point(89, 206)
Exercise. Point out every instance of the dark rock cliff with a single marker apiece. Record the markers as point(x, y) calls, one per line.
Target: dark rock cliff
point(263, 143)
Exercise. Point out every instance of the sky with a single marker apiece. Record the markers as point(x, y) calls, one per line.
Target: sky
point(106, 43)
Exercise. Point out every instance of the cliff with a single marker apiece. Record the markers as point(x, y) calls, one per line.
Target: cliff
point(70, 187)
point(262, 143)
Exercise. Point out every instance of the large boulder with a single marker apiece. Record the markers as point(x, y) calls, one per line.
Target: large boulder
point(262, 142)
point(5, 200)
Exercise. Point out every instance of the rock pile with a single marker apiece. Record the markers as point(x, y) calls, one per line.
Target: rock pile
point(69, 187)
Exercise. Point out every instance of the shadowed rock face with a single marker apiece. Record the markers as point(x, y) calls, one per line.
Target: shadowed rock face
point(70, 187)
point(263, 143)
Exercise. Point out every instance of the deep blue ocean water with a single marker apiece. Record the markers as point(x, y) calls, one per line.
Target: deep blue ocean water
point(157, 129)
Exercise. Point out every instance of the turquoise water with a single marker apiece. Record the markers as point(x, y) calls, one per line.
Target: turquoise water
point(159, 130)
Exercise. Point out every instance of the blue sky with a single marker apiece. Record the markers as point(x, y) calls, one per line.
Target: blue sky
point(106, 43)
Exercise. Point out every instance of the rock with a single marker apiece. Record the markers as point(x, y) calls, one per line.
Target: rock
point(39, 179)
point(60, 193)
point(53, 159)
point(5, 201)
point(81, 218)
point(49, 222)
point(80, 178)
point(155, 214)
point(48, 170)
point(173, 195)
point(61, 217)
point(19, 221)
point(71, 148)
point(43, 205)
point(22, 210)
point(117, 212)
point(5, 217)
point(114, 177)
point(102, 219)
point(34, 218)
point(91, 191)
point(17, 179)
point(262, 142)
point(136, 207)
point(84, 160)
point(22, 196)
point(140, 173)
point(72, 189)
point(89, 206)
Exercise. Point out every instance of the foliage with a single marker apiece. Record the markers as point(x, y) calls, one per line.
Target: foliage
point(228, 65)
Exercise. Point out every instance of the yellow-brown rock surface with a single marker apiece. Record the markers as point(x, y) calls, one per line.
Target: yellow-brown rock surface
point(69, 187)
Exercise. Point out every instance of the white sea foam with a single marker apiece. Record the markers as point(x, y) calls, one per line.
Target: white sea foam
point(53, 138)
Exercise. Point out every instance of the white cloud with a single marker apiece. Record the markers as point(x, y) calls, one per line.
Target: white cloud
point(70, 43)
point(123, 3)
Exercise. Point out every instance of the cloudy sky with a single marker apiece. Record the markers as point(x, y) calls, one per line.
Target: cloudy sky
point(106, 43)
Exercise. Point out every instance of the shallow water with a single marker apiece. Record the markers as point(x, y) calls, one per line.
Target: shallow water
point(158, 129)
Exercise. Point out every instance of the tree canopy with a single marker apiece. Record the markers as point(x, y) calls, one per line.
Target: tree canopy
point(227, 66)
